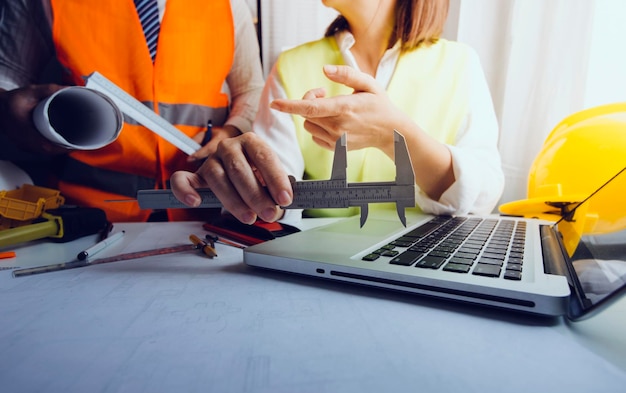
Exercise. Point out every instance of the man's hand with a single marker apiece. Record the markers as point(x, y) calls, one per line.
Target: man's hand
point(245, 175)
point(16, 118)
point(218, 134)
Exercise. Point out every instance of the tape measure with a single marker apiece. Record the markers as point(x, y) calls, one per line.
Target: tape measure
point(315, 194)
point(141, 113)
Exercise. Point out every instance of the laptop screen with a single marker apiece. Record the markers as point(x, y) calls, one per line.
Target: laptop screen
point(594, 236)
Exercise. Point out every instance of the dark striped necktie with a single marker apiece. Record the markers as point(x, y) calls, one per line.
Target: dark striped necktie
point(148, 12)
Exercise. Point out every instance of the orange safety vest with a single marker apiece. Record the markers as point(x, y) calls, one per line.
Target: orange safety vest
point(184, 85)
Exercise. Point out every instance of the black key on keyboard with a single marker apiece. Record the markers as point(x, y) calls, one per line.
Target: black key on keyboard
point(407, 258)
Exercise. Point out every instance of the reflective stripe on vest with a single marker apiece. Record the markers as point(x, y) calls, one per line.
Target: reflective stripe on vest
point(187, 114)
point(430, 85)
point(184, 84)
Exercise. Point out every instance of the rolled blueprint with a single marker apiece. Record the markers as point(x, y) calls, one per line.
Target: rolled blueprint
point(79, 118)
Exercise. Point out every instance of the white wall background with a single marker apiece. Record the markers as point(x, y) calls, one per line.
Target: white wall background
point(286, 23)
point(606, 78)
point(543, 60)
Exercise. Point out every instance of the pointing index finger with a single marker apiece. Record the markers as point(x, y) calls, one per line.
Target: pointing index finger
point(309, 108)
point(348, 76)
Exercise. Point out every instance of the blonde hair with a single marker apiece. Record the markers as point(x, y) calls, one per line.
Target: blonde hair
point(418, 22)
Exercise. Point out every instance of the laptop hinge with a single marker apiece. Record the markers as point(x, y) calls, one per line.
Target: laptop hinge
point(553, 260)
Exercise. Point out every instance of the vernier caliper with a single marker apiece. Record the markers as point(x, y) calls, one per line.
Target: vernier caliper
point(316, 194)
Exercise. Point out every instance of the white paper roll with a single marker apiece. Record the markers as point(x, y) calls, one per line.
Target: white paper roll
point(79, 118)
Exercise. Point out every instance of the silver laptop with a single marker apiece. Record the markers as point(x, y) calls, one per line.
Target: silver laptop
point(570, 268)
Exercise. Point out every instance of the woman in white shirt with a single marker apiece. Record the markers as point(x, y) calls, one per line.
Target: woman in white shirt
point(384, 69)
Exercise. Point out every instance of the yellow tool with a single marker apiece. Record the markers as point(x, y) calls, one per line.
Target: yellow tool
point(25, 204)
point(61, 225)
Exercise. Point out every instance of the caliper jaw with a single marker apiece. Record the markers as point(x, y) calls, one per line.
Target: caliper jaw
point(405, 177)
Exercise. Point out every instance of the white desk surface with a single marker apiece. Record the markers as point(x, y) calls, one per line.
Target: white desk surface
point(186, 323)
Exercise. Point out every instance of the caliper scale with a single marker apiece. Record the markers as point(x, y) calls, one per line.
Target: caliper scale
point(317, 194)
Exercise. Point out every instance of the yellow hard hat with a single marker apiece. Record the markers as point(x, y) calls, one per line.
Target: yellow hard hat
point(582, 152)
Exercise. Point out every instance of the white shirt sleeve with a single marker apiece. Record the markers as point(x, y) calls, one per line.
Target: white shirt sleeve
point(277, 129)
point(475, 157)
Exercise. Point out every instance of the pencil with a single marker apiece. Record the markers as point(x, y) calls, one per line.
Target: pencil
point(203, 246)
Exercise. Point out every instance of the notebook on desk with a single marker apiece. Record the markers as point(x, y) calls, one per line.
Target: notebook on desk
point(571, 268)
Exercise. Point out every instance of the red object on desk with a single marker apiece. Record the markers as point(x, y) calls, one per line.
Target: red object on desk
point(239, 237)
point(248, 235)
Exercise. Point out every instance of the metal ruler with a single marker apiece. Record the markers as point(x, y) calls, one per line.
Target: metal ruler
point(83, 263)
point(141, 113)
point(316, 194)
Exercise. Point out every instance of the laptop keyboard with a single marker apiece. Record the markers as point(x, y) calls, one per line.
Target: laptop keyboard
point(484, 247)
